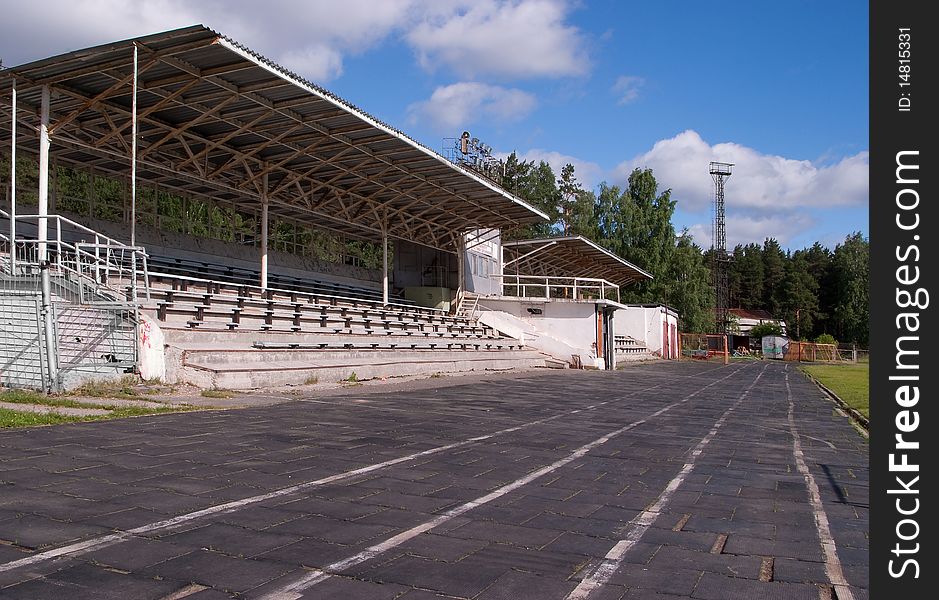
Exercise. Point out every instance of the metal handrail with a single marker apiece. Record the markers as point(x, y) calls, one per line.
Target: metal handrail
point(547, 283)
point(106, 257)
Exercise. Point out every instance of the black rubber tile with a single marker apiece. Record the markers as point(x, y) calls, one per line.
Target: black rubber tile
point(230, 539)
point(309, 553)
point(217, 570)
point(442, 548)
point(464, 578)
point(799, 571)
point(34, 531)
point(739, 544)
point(515, 585)
point(135, 554)
point(87, 581)
point(342, 588)
point(331, 530)
point(524, 536)
point(720, 587)
point(670, 580)
point(577, 543)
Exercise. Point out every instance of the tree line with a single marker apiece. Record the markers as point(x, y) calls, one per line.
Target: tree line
point(816, 290)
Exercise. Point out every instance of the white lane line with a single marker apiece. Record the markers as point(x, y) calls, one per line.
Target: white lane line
point(219, 509)
point(832, 564)
point(295, 590)
point(826, 442)
point(96, 543)
point(637, 527)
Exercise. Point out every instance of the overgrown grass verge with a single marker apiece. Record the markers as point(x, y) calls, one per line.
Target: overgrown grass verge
point(850, 382)
point(217, 393)
point(14, 418)
point(122, 388)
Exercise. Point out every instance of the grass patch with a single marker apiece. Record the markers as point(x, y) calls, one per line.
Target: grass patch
point(217, 393)
point(311, 380)
point(14, 418)
point(120, 388)
point(351, 378)
point(27, 397)
point(850, 382)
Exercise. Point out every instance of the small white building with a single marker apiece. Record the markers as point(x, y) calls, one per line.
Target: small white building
point(743, 320)
point(654, 324)
point(559, 295)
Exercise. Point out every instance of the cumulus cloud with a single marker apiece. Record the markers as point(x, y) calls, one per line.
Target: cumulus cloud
point(519, 38)
point(759, 181)
point(312, 39)
point(627, 88)
point(456, 106)
point(744, 229)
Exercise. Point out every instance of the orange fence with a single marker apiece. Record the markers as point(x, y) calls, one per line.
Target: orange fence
point(811, 352)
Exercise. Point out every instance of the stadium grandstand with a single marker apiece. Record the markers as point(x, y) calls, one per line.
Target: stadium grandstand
point(177, 205)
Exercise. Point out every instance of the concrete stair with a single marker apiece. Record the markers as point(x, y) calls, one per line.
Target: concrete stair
point(251, 368)
point(255, 359)
point(629, 349)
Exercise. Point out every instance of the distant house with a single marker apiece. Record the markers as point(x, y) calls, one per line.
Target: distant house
point(743, 320)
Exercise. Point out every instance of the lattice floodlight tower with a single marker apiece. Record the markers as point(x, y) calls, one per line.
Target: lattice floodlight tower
point(719, 257)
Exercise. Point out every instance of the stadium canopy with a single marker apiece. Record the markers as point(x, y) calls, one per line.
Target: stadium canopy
point(219, 121)
point(572, 257)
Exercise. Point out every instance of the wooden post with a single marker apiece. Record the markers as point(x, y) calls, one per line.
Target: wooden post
point(726, 353)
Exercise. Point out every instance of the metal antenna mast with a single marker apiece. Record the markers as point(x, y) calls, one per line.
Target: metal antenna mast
point(719, 258)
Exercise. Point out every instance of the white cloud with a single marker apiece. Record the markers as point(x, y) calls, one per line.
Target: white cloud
point(518, 38)
point(759, 181)
point(742, 229)
point(522, 38)
point(454, 107)
point(589, 174)
point(311, 38)
point(317, 63)
point(627, 88)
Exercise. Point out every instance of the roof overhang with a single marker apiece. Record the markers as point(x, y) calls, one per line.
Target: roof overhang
point(218, 120)
point(574, 256)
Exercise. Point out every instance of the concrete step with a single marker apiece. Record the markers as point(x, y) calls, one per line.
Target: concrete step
point(243, 369)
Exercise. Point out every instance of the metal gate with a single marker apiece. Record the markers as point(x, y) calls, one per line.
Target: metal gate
point(22, 341)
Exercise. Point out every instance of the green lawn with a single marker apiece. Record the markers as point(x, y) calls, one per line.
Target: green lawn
point(850, 382)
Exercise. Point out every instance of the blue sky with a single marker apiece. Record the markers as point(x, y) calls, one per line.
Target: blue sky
point(780, 89)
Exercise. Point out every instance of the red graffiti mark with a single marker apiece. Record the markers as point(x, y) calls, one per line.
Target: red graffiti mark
point(145, 334)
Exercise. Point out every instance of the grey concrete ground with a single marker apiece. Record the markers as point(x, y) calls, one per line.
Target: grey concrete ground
point(660, 481)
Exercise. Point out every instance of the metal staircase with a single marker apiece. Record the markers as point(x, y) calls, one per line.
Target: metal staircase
point(468, 306)
point(85, 325)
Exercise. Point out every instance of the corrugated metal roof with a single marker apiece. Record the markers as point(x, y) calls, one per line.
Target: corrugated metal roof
point(214, 116)
point(573, 256)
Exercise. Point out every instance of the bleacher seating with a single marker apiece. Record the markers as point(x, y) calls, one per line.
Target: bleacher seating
point(227, 298)
point(168, 265)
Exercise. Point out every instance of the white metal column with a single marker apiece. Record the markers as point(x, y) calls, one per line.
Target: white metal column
point(384, 266)
point(264, 225)
point(133, 159)
point(461, 269)
point(42, 230)
point(13, 181)
point(42, 236)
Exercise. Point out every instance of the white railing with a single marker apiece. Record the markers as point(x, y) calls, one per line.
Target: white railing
point(94, 259)
point(575, 288)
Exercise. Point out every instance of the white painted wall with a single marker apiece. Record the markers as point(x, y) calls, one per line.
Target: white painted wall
point(483, 258)
point(645, 323)
point(573, 323)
